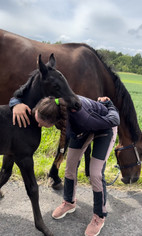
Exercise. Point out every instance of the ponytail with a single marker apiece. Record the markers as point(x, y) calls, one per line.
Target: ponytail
point(61, 124)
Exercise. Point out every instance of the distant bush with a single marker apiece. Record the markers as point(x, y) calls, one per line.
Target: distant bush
point(121, 62)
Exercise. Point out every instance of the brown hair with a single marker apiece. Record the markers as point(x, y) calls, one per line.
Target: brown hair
point(48, 110)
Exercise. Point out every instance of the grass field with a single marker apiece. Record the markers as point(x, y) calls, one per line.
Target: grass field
point(133, 83)
point(43, 158)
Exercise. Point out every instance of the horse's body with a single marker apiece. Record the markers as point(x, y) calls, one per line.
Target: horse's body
point(87, 75)
point(19, 144)
point(76, 62)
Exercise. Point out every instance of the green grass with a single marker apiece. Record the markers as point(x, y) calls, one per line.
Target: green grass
point(44, 156)
point(133, 83)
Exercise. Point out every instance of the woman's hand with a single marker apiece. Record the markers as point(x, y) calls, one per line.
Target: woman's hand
point(103, 99)
point(19, 113)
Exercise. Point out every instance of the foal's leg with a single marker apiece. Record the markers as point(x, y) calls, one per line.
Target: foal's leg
point(54, 171)
point(27, 171)
point(6, 170)
point(54, 175)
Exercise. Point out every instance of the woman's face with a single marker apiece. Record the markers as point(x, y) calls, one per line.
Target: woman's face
point(41, 122)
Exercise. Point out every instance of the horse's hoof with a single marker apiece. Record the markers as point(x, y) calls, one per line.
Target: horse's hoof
point(45, 231)
point(55, 185)
point(1, 194)
point(58, 186)
point(48, 176)
point(48, 233)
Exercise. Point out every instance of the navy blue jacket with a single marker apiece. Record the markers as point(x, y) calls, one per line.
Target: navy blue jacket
point(93, 116)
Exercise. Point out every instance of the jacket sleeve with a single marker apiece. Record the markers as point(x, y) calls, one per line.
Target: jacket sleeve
point(97, 122)
point(113, 114)
point(14, 101)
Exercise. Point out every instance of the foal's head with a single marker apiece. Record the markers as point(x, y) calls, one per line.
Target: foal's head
point(55, 84)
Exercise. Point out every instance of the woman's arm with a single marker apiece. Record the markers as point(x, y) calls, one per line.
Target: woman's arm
point(18, 107)
point(97, 122)
point(20, 114)
point(113, 115)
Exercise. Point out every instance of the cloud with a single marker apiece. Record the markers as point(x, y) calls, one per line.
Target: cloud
point(136, 32)
point(64, 38)
point(107, 23)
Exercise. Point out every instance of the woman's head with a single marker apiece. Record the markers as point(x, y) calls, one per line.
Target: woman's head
point(49, 111)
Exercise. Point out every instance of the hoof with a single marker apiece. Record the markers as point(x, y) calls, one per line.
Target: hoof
point(58, 186)
point(55, 185)
point(48, 176)
point(1, 194)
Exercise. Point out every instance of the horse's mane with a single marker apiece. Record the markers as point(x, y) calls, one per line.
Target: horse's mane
point(127, 109)
point(25, 87)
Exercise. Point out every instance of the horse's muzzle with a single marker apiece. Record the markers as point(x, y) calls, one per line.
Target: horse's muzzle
point(128, 180)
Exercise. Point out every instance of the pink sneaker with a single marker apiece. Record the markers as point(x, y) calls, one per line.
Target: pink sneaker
point(63, 209)
point(95, 226)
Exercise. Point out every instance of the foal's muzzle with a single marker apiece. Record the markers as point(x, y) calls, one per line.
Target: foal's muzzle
point(77, 106)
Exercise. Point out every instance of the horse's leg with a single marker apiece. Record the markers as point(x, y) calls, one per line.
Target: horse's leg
point(6, 170)
point(87, 160)
point(54, 171)
point(27, 171)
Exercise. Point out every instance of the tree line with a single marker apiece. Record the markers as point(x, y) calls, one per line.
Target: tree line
point(121, 62)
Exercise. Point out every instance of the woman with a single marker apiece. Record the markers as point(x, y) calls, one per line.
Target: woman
point(95, 121)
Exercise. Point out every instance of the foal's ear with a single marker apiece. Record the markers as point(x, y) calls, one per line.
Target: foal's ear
point(52, 61)
point(42, 66)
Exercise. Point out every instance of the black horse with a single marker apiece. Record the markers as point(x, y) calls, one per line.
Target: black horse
point(19, 144)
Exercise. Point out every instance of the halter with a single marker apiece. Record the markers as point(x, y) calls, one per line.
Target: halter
point(136, 153)
point(125, 166)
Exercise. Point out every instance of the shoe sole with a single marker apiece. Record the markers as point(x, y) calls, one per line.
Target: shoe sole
point(60, 217)
point(98, 232)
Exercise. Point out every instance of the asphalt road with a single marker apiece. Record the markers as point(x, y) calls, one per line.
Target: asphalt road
point(16, 218)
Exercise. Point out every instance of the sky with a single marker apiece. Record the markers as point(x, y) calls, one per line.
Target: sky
point(115, 25)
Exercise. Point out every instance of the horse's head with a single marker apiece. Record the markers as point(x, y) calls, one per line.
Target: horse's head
point(55, 84)
point(129, 160)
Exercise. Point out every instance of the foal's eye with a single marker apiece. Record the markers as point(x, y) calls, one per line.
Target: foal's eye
point(60, 75)
point(56, 86)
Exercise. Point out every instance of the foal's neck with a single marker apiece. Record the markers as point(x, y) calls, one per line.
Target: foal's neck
point(34, 94)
